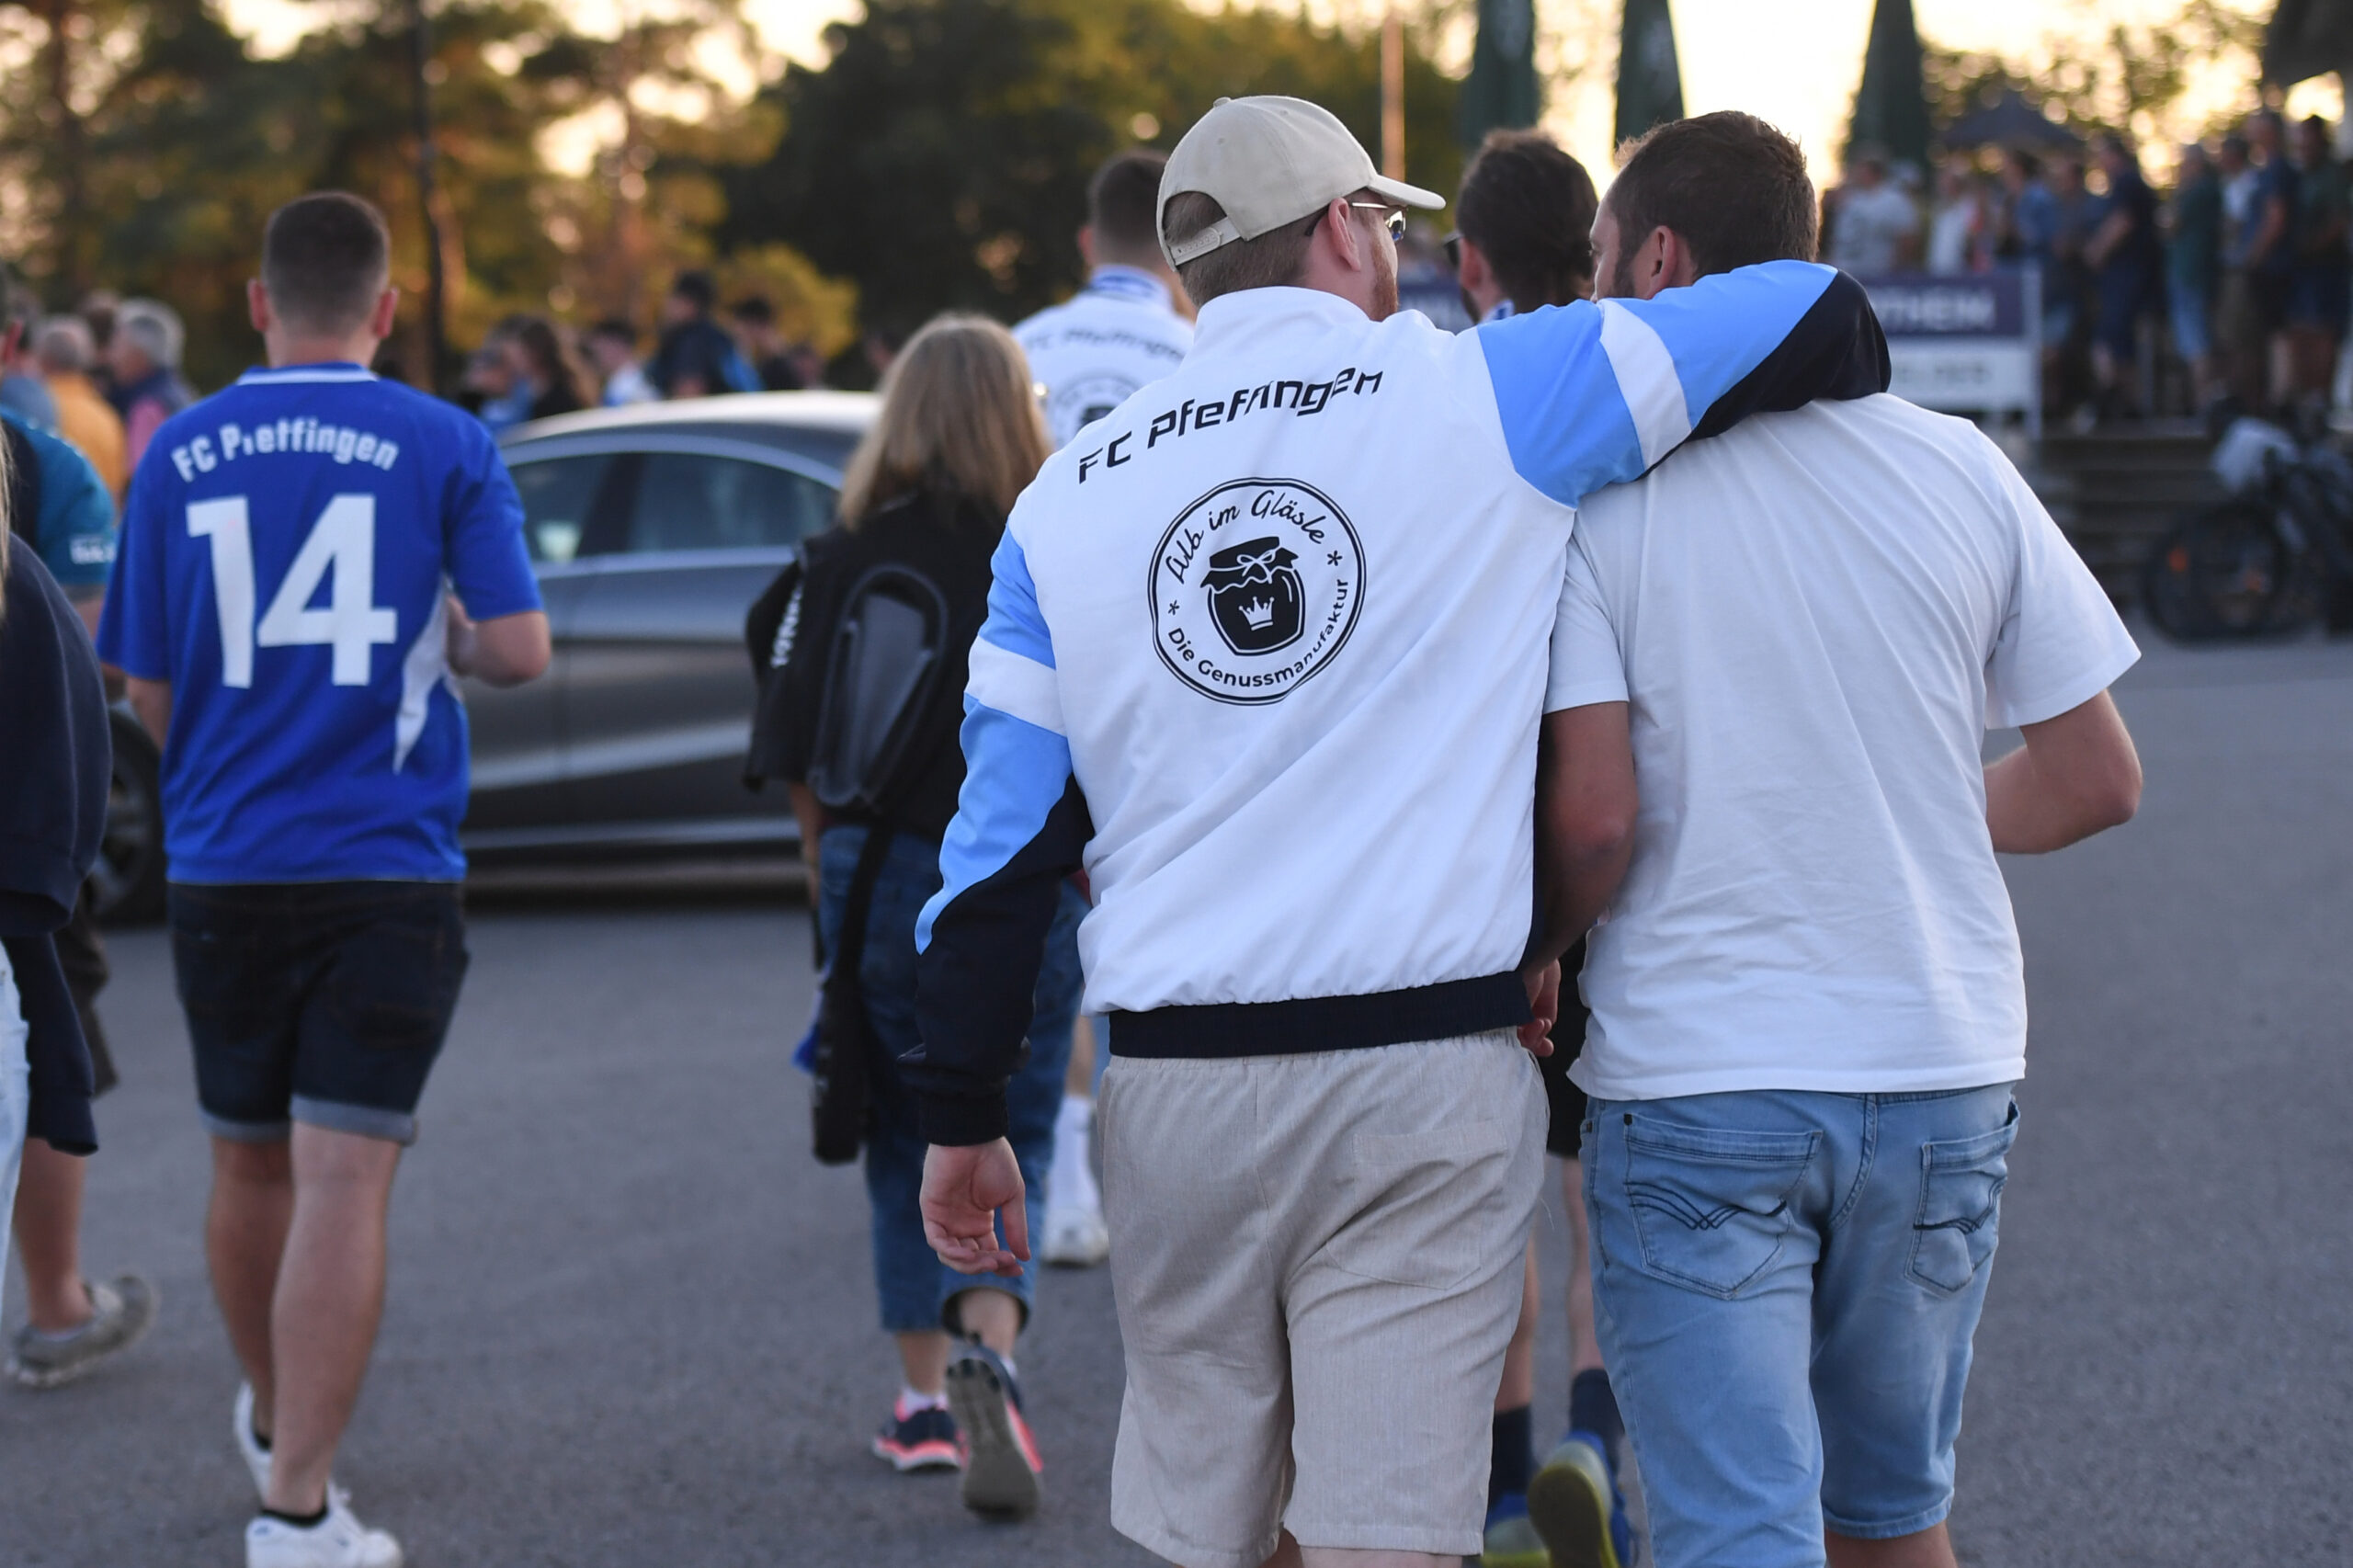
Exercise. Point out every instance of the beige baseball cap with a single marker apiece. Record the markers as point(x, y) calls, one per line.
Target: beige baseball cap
point(1270, 161)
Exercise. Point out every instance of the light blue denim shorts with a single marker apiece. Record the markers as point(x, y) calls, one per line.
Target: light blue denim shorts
point(1786, 1285)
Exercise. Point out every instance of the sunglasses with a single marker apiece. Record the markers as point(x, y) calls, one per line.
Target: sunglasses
point(1394, 221)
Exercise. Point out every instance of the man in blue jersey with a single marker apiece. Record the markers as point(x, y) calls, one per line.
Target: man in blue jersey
point(1265, 655)
point(307, 558)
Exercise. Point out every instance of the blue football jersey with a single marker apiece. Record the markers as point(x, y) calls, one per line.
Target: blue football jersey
point(284, 557)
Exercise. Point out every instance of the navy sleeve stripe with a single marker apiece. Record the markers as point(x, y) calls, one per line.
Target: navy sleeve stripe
point(976, 980)
point(1835, 350)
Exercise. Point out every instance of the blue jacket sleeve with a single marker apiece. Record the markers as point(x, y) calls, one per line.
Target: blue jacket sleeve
point(1595, 395)
point(76, 520)
point(1021, 827)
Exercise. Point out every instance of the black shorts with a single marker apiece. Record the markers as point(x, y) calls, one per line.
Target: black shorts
point(1566, 1100)
point(323, 1003)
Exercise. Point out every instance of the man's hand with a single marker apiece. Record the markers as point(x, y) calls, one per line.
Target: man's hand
point(1544, 1002)
point(963, 1189)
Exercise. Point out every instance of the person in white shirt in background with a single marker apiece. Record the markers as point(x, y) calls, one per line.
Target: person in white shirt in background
point(1874, 225)
point(1808, 1010)
point(1957, 233)
point(1129, 327)
point(613, 349)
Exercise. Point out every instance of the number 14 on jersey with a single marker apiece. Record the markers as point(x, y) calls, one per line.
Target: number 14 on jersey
point(344, 538)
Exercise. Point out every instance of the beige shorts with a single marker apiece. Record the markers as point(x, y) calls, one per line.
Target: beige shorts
point(1317, 1261)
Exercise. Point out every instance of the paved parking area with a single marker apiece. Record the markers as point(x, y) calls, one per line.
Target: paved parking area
point(632, 1323)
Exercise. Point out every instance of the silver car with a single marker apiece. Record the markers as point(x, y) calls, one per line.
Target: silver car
point(653, 528)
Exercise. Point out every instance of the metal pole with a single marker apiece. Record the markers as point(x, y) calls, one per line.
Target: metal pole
point(1392, 93)
point(436, 285)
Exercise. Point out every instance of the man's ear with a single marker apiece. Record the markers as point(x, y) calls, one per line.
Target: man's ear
point(1663, 262)
point(1344, 237)
point(258, 306)
point(388, 306)
point(1474, 274)
point(1087, 244)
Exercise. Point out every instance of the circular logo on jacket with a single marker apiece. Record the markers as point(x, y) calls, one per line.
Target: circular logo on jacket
point(1077, 403)
point(1254, 588)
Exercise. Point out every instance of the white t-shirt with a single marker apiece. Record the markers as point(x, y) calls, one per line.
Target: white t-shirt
point(1095, 350)
point(1813, 619)
point(1866, 226)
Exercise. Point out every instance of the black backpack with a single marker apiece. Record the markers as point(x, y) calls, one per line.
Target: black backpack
point(880, 677)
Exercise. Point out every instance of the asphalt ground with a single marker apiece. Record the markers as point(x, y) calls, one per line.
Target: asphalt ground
point(631, 1324)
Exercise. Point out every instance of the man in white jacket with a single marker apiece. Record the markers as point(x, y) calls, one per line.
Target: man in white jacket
point(1265, 657)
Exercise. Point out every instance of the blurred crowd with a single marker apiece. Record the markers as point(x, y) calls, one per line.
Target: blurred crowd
point(2229, 289)
point(103, 376)
point(532, 367)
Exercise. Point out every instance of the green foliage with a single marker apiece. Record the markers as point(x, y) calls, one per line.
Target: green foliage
point(2131, 78)
point(152, 160)
point(940, 160)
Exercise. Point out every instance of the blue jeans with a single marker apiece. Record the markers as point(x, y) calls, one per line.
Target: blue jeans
point(915, 1287)
point(1785, 1287)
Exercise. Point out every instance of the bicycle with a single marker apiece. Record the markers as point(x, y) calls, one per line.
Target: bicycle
point(2267, 561)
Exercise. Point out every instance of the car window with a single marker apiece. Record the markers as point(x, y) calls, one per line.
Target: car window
point(558, 495)
point(687, 500)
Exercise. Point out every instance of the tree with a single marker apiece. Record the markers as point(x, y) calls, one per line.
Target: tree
point(2129, 78)
point(940, 159)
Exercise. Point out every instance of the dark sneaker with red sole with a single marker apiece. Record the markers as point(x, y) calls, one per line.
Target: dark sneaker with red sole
point(918, 1439)
point(1001, 1462)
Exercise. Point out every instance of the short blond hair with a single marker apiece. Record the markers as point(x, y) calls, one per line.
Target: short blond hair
point(959, 413)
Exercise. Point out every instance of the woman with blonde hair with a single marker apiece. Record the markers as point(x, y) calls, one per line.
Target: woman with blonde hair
point(869, 748)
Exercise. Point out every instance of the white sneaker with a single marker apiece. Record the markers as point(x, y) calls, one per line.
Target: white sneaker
point(1076, 1238)
point(257, 1458)
point(336, 1542)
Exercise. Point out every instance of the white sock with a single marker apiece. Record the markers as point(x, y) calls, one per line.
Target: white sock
point(1070, 1180)
point(910, 1401)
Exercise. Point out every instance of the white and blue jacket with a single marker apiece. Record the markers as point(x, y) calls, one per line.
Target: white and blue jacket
point(1266, 655)
point(1098, 349)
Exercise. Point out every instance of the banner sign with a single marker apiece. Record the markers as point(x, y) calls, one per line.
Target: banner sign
point(1966, 344)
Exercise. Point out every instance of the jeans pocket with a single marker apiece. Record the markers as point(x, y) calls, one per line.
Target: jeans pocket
point(1712, 1205)
point(1960, 1206)
point(1425, 1205)
point(395, 980)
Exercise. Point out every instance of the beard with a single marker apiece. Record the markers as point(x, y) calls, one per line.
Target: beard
point(1622, 276)
point(1384, 281)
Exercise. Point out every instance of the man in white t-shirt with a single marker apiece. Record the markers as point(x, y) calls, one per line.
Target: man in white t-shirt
point(1808, 1011)
point(1129, 327)
point(1874, 225)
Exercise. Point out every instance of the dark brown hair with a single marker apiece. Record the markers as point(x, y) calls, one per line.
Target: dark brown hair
point(1529, 207)
point(1731, 186)
point(1122, 201)
point(325, 259)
